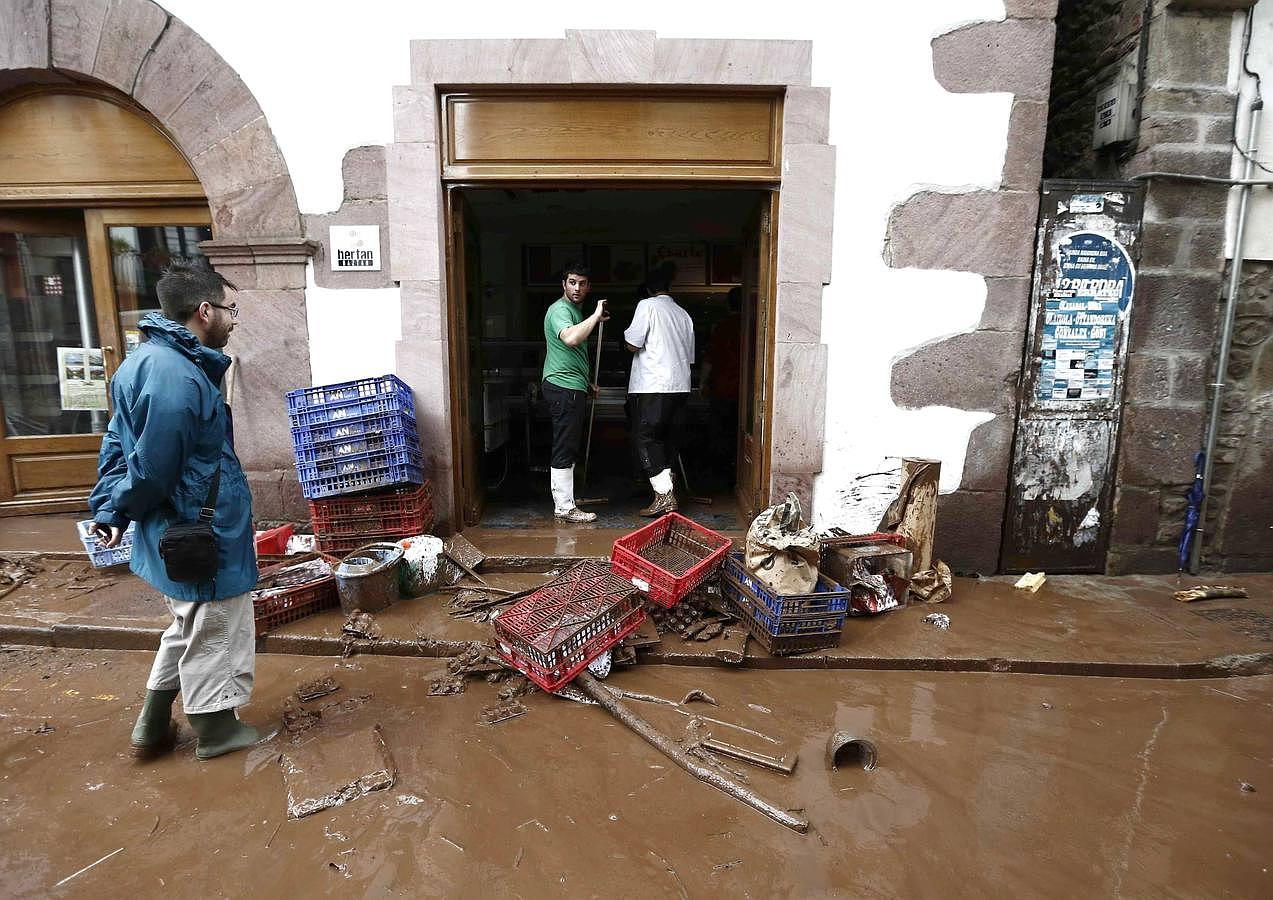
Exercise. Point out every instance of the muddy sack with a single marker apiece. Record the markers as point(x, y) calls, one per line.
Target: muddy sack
point(783, 550)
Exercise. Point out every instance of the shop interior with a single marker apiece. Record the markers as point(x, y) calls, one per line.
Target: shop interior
point(516, 242)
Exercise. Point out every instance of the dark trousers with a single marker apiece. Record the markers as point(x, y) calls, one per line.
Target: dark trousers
point(568, 409)
point(657, 423)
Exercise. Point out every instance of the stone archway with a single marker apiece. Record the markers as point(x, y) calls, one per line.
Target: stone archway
point(137, 47)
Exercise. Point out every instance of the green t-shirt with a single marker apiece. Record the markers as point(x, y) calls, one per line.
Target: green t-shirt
point(564, 366)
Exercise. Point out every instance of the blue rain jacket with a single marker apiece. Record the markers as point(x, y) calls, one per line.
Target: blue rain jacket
point(168, 433)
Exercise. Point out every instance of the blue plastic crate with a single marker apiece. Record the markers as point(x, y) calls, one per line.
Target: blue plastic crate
point(342, 392)
point(353, 474)
point(376, 442)
point(102, 557)
point(828, 596)
point(350, 410)
point(348, 429)
point(360, 463)
point(792, 626)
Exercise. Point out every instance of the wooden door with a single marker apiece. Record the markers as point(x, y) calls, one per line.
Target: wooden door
point(465, 283)
point(755, 363)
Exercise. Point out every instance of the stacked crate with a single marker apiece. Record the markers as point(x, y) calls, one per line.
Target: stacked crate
point(359, 462)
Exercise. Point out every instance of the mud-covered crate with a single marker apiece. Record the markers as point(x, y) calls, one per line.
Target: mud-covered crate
point(798, 634)
point(669, 557)
point(369, 426)
point(554, 632)
point(827, 598)
point(333, 451)
point(292, 590)
point(343, 544)
point(397, 509)
point(876, 568)
point(99, 556)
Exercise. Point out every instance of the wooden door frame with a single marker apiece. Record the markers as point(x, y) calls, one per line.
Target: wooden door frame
point(459, 410)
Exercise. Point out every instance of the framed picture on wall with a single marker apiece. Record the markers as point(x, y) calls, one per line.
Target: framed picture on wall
point(617, 263)
point(727, 264)
point(544, 262)
point(690, 259)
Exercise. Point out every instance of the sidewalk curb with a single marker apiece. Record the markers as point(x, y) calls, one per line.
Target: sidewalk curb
point(97, 637)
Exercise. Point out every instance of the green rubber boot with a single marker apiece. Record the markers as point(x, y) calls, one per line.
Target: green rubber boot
point(221, 733)
point(155, 731)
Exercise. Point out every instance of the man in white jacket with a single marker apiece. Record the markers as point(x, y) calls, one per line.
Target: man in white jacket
point(661, 338)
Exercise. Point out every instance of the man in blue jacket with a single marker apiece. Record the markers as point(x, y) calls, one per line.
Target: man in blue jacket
point(169, 435)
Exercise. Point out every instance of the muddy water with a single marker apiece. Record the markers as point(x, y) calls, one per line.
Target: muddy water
point(996, 785)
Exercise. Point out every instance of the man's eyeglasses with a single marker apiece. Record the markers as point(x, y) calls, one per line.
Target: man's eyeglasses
point(234, 310)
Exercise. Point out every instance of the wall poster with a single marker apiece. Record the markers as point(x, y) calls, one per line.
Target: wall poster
point(81, 375)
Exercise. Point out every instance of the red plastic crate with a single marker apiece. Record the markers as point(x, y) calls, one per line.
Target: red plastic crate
point(669, 557)
point(294, 603)
point(382, 511)
point(339, 545)
point(553, 633)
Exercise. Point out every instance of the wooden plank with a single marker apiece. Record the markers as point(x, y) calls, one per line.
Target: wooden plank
point(47, 472)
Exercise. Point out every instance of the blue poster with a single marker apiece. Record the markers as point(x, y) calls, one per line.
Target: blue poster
point(1082, 309)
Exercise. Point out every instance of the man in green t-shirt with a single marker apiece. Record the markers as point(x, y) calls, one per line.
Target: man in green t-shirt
point(567, 383)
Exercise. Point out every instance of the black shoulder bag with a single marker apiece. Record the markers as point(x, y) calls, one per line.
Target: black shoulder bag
point(189, 551)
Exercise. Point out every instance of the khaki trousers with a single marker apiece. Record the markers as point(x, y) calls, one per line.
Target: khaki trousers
point(208, 653)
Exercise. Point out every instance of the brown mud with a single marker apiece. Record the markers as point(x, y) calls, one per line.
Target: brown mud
point(986, 784)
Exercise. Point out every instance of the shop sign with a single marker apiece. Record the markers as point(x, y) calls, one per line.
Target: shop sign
point(355, 248)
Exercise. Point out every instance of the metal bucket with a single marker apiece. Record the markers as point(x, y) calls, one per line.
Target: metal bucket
point(367, 579)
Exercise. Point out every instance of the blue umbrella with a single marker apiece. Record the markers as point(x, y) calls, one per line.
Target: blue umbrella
point(1194, 495)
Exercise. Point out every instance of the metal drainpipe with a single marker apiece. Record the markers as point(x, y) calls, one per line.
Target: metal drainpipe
point(1226, 335)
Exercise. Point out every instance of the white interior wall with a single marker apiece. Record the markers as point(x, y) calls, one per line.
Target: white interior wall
point(1257, 243)
point(323, 74)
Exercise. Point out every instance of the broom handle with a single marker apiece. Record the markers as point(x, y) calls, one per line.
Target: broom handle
point(592, 409)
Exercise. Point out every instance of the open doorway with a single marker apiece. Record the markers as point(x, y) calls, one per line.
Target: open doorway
point(508, 246)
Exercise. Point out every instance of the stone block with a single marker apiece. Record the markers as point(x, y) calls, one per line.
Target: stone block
point(1158, 444)
point(969, 531)
point(266, 209)
point(24, 34)
point(920, 230)
point(1136, 516)
point(806, 115)
point(1206, 246)
point(271, 350)
point(425, 365)
point(1217, 130)
point(363, 172)
point(801, 485)
point(415, 114)
point(1248, 518)
point(414, 212)
point(1148, 378)
point(988, 462)
point(247, 157)
point(1160, 245)
point(267, 494)
point(1240, 363)
point(806, 207)
point(1014, 56)
point(1211, 101)
point(76, 32)
point(939, 374)
point(1163, 129)
point(1030, 9)
point(295, 506)
point(1023, 162)
point(1175, 311)
point(1007, 305)
point(1253, 331)
point(1210, 162)
point(799, 407)
point(172, 71)
point(760, 62)
point(799, 314)
point(605, 57)
point(219, 105)
point(1167, 200)
point(496, 61)
point(1219, 6)
point(354, 212)
point(1140, 561)
point(1189, 376)
point(1189, 50)
point(423, 311)
point(127, 35)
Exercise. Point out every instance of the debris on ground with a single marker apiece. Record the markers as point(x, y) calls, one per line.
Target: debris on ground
point(516, 686)
point(322, 774)
point(688, 612)
point(500, 712)
point(298, 718)
point(733, 645)
point(1246, 787)
point(937, 620)
point(600, 667)
point(479, 603)
point(844, 748)
point(1211, 592)
point(709, 631)
point(442, 687)
point(623, 656)
point(742, 754)
point(360, 626)
point(476, 660)
point(1031, 581)
point(933, 585)
point(319, 687)
point(696, 736)
point(16, 571)
point(45, 728)
point(462, 552)
point(700, 695)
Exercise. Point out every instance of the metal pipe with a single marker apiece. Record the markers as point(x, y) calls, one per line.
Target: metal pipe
point(1226, 334)
point(88, 319)
point(1246, 181)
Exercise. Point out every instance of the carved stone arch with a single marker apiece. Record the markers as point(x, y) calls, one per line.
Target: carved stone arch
point(170, 72)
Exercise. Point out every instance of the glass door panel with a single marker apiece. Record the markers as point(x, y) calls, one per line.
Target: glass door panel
point(139, 254)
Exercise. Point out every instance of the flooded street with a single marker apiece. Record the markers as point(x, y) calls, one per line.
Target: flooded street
point(987, 784)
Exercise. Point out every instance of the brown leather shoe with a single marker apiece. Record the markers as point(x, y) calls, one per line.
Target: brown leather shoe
point(577, 516)
point(663, 503)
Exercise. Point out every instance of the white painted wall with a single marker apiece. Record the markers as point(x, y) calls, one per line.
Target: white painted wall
point(322, 72)
point(1258, 240)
